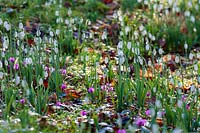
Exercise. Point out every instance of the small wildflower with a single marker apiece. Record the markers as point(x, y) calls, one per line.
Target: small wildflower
point(91, 90)
point(12, 59)
point(187, 106)
point(121, 131)
point(148, 112)
point(16, 66)
point(63, 86)
point(22, 101)
point(63, 71)
point(140, 122)
point(83, 113)
point(58, 103)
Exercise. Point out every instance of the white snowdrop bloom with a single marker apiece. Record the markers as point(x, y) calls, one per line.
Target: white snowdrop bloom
point(121, 60)
point(40, 81)
point(1, 65)
point(1, 22)
point(187, 13)
point(139, 1)
point(6, 62)
point(69, 12)
point(51, 33)
point(17, 52)
point(196, 7)
point(135, 33)
point(121, 19)
point(129, 45)
point(158, 104)
point(7, 25)
point(196, 67)
point(56, 50)
point(169, 57)
point(160, 51)
point(149, 63)
point(155, 7)
point(166, 12)
point(191, 56)
point(38, 33)
point(146, 2)
point(186, 46)
point(45, 74)
point(57, 31)
point(144, 32)
point(120, 45)
point(177, 59)
point(137, 51)
point(155, 128)
point(160, 7)
point(66, 21)
point(154, 52)
point(133, 50)
point(17, 80)
point(177, 130)
point(198, 55)
point(154, 89)
point(147, 47)
point(192, 18)
point(179, 103)
point(86, 58)
point(5, 42)
point(180, 85)
point(120, 53)
point(104, 35)
point(170, 2)
point(119, 12)
point(141, 28)
point(56, 13)
point(127, 29)
point(115, 15)
point(21, 26)
point(198, 79)
point(189, 4)
point(21, 35)
point(1, 75)
point(24, 83)
point(177, 9)
point(194, 29)
point(141, 61)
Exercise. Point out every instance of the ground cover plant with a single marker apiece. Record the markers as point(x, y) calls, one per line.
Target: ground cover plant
point(100, 66)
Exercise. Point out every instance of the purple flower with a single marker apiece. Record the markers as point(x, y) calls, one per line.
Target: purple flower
point(148, 112)
point(12, 59)
point(183, 98)
point(83, 113)
point(121, 131)
point(187, 106)
point(22, 101)
point(140, 122)
point(58, 103)
point(148, 94)
point(63, 71)
point(91, 90)
point(63, 86)
point(16, 66)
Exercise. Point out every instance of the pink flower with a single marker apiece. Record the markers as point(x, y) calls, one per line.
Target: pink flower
point(83, 113)
point(187, 106)
point(16, 66)
point(148, 94)
point(148, 112)
point(91, 90)
point(121, 131)
point(22, 101)
point(140, 122)
point(63, 71)
point(63, 86)
point(12, 59)
point(58, 103)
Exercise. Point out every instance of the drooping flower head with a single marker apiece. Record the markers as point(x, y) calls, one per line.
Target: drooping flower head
point(140, 122)
point(91, 90)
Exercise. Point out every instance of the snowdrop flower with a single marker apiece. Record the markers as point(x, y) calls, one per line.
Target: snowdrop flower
point(189, 4)
point(120, 45)
point(57, 31)
point(147, 47)
point(187, 13)
point(69, 12)
point(7, 26)
point(154, 52)
point(21, 35)
point(186, 46)
point(127, 29)
point(196, 67)
point(141, 28)
point(191, 56)
point(177, 59)
point(56, 13)
point(1, 75)
point(104, 35)
point(24, 83)
point(192, 18)
point(51, 33)
point(17, 80)
point(1, 65)
point(40, 81)
point(158, 104)
point(129, 45)
point(160, 51)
